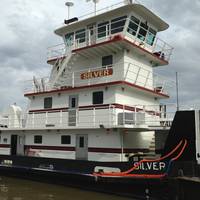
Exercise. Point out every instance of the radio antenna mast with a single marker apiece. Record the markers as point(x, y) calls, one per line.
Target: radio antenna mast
point(95, 4)
point(69, 4)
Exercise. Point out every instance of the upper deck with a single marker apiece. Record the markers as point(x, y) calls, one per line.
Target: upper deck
point(129, 26)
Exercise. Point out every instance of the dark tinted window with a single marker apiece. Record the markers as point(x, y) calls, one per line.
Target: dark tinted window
point(65, 139)
point(142, 31)
point(48, 102)
point(133, 25)
point(80, 35)
point(98, 97)
point(73, 102)
point(103, 29)
point(117, 24)
point(107, 60)
point(81, 142)
point(38, 139)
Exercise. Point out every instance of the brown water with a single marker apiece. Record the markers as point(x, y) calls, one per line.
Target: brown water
point(16, 189)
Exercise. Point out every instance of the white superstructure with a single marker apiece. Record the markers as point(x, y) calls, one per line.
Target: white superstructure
point(102, 99)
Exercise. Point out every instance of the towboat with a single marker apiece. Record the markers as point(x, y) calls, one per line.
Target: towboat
point(97, 121)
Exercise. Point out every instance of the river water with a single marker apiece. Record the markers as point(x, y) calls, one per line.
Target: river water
point(16, 189)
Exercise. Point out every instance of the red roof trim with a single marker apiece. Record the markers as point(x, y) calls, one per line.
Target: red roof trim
point(115, 38)
point(98, 85)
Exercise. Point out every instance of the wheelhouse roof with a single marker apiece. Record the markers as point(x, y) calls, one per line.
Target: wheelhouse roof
point(136, 8)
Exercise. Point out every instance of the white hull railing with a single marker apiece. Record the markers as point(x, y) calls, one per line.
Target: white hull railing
point(128, 72)
point(107, 32)
point(105, 116)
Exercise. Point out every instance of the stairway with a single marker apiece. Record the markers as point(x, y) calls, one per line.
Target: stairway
point(60, 65)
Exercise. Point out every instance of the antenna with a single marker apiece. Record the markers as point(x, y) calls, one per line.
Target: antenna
point(95, 4)
point(128, 1)
point(69, 4)
point(177, 92)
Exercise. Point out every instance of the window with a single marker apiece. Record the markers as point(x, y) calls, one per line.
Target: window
point(69, 39)
point(81, 142)
point(80, 36)
point(151, 36)
point(117, 24)
point(103, 29)
point(97, 97)
point(37, 139)
point(48, 102)
point(65, 139)
point(107, 60)
point(73, 102)
point(142, 31)
point(133, 25)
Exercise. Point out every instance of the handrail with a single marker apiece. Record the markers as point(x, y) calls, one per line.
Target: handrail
point(131, 72)
point(92, 117)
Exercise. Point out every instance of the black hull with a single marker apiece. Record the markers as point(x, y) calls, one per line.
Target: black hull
point(79, 174)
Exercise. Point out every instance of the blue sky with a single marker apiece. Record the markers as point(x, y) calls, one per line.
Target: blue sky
point(27, 30)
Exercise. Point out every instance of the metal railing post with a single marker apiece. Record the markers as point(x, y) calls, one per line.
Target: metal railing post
point(73, 80)
point(33, 120)
point(123, 114)
point(61, 116)
point(94, 117)
point(46, 119)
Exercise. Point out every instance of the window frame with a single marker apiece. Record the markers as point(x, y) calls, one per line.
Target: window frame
point(63, 139)
point(103, 33)
point(109, 64)
point(120, 27)
point(36, 138)
point(95, 99)
point(132, 25)
point(69, 41)
point(80, 35)
point(48, 104)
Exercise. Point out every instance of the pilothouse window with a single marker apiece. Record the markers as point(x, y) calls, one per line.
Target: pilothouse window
point(103, 29)
point(117, 24)
point(143, 31)
point(151, 36)
point(133, 25)
point(69, 39)
point(80, 36)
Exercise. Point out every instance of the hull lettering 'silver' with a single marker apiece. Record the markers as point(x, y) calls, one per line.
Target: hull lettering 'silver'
point(97, 121)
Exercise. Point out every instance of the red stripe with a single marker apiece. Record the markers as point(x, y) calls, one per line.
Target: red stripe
point(91, 107)
point(4, 146)
point(98, 85)
point(90, 149)
point(58, 148)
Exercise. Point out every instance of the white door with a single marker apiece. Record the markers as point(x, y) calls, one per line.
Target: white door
point(72, 111)
point(91, 31)
point(82, 147)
